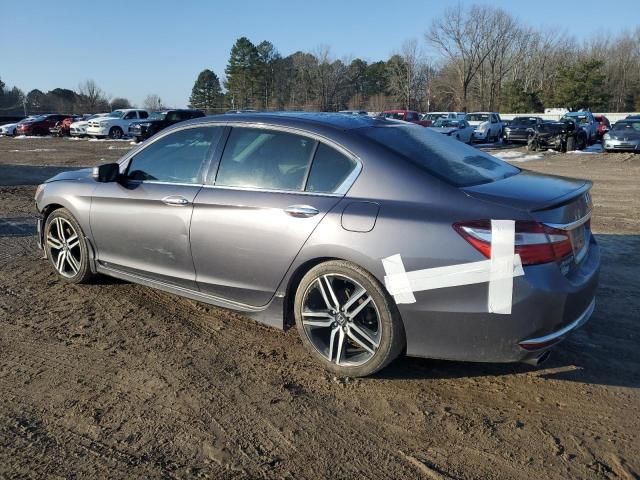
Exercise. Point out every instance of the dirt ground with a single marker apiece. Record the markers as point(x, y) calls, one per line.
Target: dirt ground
point(114, 380)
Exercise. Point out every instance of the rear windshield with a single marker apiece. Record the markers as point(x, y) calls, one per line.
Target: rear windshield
point(525, 121)
point(451, 161)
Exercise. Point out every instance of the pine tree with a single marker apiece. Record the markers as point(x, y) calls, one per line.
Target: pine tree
point(242, 75)
point(206, 94)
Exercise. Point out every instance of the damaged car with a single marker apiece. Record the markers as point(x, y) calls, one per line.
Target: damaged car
point(563, 136)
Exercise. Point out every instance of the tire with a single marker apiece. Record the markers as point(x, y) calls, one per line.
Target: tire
point(63, 236)
point(116, 133)
point(377, 319)
point(571, 144)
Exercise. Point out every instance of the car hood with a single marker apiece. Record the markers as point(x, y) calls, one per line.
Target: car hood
point(82, 174)
point(8, 125)
point(529, 191)
point(630, 135)
point(477, 123)
point(81, 123)
point(444, 130)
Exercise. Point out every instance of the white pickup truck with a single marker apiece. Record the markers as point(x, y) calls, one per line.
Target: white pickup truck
point(488, 126)
point(115, 124)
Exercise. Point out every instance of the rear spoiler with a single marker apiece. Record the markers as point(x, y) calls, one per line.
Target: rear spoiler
point(568, 198)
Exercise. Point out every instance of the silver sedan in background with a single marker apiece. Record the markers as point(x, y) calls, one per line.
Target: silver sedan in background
point(624, 135)
point(458, 129)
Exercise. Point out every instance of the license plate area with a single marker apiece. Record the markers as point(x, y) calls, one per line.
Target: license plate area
point(580, 242)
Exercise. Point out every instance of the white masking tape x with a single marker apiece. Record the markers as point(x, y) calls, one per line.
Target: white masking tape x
point(498, 271)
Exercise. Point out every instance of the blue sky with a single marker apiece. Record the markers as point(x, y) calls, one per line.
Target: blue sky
point(133, 48)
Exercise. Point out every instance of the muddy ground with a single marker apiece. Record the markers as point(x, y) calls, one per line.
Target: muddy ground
point(115, 380)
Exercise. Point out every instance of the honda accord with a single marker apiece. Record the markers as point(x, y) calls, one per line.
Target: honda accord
point(373, 237)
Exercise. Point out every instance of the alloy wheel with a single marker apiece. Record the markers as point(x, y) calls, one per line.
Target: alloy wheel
point(341, 320)
point(63, 246)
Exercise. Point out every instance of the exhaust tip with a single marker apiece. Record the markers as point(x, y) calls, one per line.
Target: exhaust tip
point(537, 361)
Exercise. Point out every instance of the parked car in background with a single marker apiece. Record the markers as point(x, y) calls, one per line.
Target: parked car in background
point(38, 125)
point(405, 115)
point(354, 112)
point(298, 223)
point(79, 128)
point(488, 126)
point(603, 125)
point(8, 129)
point(433, 116)
point(160, 120)
point(633, 117)
point(584, 119)
point(116, 124)
point(563, 136)
point(62, 128)
point(519, 129)
point(458, 129)
point(624, 135)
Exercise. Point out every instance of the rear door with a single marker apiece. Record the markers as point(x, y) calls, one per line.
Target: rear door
point(141, 223)
point(271, 190)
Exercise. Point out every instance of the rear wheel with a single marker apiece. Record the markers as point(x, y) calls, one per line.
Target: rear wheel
point(66, 248)
point(115, 133)
point(346, 319)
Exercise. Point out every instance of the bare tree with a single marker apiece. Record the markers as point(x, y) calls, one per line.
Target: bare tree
point(92, 97)
point(460, 37)
point(408, 74)
point(153, 102)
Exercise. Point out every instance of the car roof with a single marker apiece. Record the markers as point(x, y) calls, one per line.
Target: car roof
point(336, 120)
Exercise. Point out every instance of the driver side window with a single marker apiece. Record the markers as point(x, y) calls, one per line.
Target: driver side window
point(175, 158)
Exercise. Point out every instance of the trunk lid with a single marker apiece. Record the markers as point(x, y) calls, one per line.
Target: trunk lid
point(557, 202)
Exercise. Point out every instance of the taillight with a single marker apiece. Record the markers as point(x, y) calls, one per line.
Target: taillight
point(534, 242)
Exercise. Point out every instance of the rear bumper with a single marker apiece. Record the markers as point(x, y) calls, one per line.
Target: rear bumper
point(542, 343)
point(454, 324)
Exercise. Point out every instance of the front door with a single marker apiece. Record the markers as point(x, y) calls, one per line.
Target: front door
point(141, 223)
point(271, 191)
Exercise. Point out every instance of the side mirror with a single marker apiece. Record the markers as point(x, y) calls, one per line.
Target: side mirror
point(106, 173)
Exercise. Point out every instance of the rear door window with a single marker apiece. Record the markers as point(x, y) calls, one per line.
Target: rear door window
point(175, 158)
point(329, 170)
point(265, 159)
point(453, 162)
point(143, 114)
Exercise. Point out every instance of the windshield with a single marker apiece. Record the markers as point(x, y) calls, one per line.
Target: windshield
point(394, 115)
point(523, 121)
point(433, 115)
point(478, 117)
point(453, 162)
point(117, 114)
point(443, 122)
point(579, 119)
point(157, 115)
point(627, 127)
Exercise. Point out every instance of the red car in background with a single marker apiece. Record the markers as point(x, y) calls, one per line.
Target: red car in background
point(39, 125)
point(407, 116)
point(603, 125)
point(63, 127)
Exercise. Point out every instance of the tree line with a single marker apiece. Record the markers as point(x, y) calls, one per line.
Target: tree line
point(475, 58)
point(88, 98)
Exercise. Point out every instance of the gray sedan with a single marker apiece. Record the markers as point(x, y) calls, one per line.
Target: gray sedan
point(624, 135)
point(374, 237)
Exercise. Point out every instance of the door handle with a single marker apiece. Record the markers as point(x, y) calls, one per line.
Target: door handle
point(301, 211)
point(175, 201)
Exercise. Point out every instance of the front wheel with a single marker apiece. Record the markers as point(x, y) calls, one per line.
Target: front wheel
point(346, 319)
point(115, 133)
point(66, 248)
